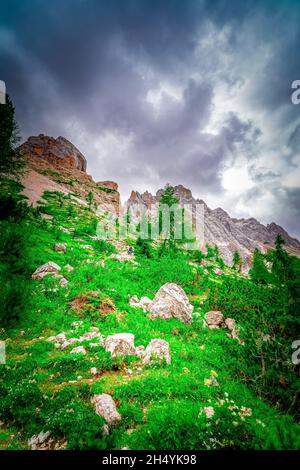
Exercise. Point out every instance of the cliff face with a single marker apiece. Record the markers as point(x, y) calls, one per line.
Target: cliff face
point(229, 234)
point(58, 152)
point(57, 165)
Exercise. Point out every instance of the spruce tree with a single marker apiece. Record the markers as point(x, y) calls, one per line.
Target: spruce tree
point(11, 158)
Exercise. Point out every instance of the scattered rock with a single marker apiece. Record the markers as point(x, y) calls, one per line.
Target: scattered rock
point(63, 282)
point(79, 350)
point(122, 257)
point(218, 272)
point(68, 267)
point(94, 371)
point(60, 247)
point(105, 430)
point(231, 325)
point(47, 268)
point(47, 216)
point(145, 303)
point(121, 344)
point(209, 411)
point(87, 247)
point(44, 441)
point(69, 342)
point(214, 319)
point(89, 335)
point(60, 338)
point(106, 407)
point(67, 230)
point(157, 349)
point(171, 302)
point(140, 351)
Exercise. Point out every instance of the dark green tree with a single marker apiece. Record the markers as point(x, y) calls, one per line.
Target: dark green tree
point(166, 201)
point(90, 199)
point(259, 272)
point(11, 158)
point(237, 261)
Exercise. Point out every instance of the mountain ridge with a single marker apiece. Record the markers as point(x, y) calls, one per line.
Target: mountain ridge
point(228, 233)
point(57, 165)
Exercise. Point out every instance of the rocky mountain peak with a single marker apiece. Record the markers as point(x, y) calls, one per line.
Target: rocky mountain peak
point(229, 234)
point(58, 152)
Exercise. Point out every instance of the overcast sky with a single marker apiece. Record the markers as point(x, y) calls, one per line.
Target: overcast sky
point(188, 92)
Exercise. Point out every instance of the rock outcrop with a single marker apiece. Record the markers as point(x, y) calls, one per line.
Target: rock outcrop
point(111, 185)
point(57, 165)
point(171, 302)
point(45, 269)
point(59, 152)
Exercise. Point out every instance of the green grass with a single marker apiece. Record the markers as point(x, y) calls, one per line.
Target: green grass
point(44, 388)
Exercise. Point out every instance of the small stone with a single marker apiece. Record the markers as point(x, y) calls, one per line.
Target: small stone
point(140, 351)
point(60, 247)
point(45, 269)
point(78, 350)
point(214, 319)
point(68, 267)
point(94, 371)
point(63, 282)
point(106, 407)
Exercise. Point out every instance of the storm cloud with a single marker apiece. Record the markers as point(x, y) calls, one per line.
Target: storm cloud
point(194, 93)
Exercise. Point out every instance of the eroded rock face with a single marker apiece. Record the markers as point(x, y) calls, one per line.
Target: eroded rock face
point(214, 319)
point(47, 268)
point(157, 350)
point(171, 302)
point(121, 344)
point(59, 152)
point(229, 234)
point(108, 184)
point(106, 407)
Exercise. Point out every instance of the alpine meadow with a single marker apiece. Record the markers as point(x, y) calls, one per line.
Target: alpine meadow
point(150, 260)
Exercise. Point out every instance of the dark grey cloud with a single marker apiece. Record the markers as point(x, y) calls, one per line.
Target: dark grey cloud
point(139, 86)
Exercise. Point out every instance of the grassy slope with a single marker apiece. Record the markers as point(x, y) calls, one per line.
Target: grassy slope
point(44, 388)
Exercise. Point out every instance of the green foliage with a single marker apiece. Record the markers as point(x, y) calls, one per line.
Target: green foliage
point(11, 159)
point(144, 247)
point(162, 406)
point(102, 246)
point(237, 261)
point(90, 199)
point(259, 272)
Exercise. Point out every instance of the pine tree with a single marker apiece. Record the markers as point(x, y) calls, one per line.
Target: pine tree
point(167, 200)
point(11, 159)
point(259, 272)
point(90, 199)
point(237, 261)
